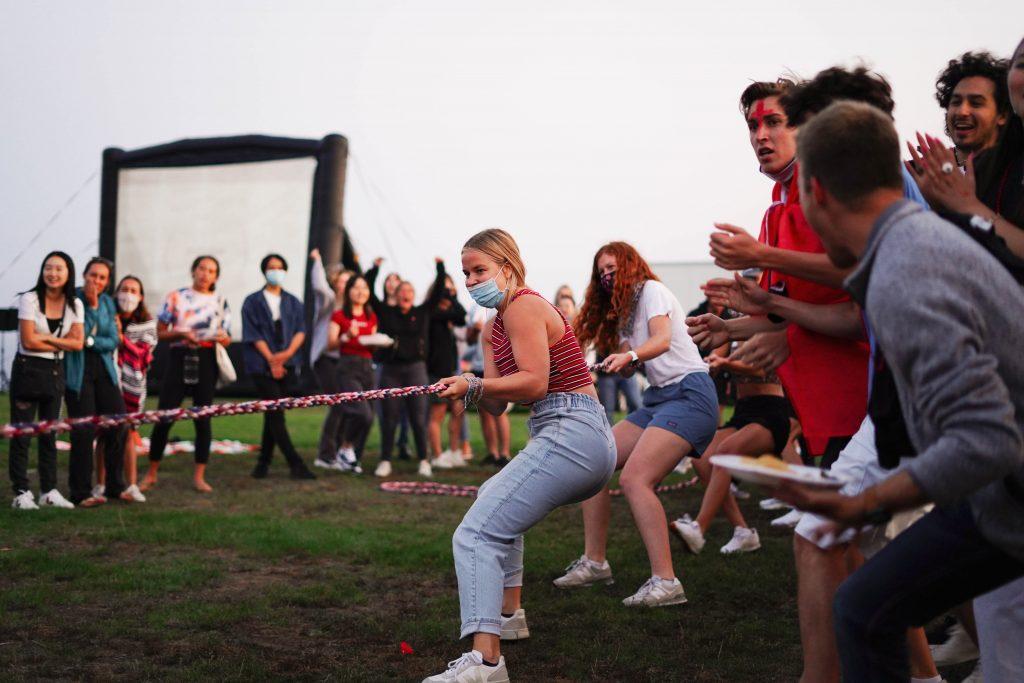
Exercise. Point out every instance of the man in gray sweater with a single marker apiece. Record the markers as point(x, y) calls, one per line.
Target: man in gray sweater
point(947, 318)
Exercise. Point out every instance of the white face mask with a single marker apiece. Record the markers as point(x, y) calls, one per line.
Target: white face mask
point(127, 301)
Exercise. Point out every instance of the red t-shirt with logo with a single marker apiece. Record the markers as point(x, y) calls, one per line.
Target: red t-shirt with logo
point(825, 378)
point(366, 323)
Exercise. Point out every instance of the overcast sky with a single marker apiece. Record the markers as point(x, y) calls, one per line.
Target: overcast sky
point(568, 123)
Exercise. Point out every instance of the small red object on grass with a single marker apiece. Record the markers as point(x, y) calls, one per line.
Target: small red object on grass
point(406, 648)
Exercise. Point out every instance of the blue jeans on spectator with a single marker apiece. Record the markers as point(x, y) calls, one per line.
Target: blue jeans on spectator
point(938, 563)
point(569, 458)
point(608, 389)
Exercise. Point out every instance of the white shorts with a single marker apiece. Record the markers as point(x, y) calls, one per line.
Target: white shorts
point(858, 465)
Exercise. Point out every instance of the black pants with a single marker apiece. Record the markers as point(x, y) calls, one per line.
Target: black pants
point(275, 429)
point(936, 564)
point(326, 369)
point(99, 395)
point(404, 375)
point(37, 387)
point(172, 392)
point(355, 374)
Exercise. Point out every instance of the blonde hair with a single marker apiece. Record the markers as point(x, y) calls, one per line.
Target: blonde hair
point(499, 246)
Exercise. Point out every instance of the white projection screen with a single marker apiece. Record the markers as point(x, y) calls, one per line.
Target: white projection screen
point(235, 198)
point(238, 213)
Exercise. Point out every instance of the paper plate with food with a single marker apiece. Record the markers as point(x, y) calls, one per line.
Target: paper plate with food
point(768, 470)
point(377, 339)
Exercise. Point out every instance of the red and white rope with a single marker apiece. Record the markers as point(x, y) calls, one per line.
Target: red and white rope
point(433, 488)
point(10, 431)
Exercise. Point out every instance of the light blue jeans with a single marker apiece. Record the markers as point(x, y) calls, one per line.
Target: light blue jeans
point(569, 458)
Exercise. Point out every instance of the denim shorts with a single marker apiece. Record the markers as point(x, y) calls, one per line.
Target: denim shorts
point(687, 408)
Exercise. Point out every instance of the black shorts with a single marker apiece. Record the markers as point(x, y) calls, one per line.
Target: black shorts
point(771, 412)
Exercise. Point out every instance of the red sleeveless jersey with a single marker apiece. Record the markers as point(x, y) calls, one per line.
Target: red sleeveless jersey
point(568, 366)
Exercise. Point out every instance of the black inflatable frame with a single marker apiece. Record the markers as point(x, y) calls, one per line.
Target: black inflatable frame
point(326, 225)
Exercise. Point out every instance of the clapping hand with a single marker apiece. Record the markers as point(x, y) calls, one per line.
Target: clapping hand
point(935, 171)
point(733, 248)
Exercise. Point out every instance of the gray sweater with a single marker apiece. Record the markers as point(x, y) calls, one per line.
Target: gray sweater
point(949, 320)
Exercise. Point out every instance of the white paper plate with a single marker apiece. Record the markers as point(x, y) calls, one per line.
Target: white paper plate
point(377, 339)
point(743, 469)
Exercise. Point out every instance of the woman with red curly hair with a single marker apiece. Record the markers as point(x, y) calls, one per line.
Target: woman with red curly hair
point(631, 316)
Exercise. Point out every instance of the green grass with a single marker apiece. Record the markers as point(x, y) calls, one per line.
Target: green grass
point(277, 579)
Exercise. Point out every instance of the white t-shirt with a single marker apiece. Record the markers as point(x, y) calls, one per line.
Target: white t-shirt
point(29, 309)
point(682, 357)
point(274, 301)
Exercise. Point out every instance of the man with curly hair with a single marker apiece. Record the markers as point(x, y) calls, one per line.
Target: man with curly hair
point(972, 91)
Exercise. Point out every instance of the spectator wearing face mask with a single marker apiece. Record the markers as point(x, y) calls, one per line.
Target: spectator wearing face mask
point(273, 332)
point(134, 356)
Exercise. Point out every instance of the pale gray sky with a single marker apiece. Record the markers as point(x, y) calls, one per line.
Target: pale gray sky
point(567, 122)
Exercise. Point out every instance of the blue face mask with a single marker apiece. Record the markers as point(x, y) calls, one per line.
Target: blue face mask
point(276, 277)
point(487, 294)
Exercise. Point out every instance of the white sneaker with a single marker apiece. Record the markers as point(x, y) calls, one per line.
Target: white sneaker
point(441, 462)
point(957, 649)
point(24, 501)
point(788, 520)
point(514, 627)
point(425, 469)
point(53, 499)
point(684, 466)
point(738, 493)
point(657, 592)
point(98, 491)
point(975, 675)
point(134, 494)
point(345, 461)
point(454, 459)
point(470, 668)
point(774, 504)
point(325, 464)
point(690, 532)
point(383, 469)
point(585, 572)
point(743, 541)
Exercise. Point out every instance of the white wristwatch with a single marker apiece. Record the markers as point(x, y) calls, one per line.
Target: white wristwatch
point(632, 354)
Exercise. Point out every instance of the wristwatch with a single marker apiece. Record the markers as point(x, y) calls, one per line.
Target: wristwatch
point(89, 341)
point(632, 354)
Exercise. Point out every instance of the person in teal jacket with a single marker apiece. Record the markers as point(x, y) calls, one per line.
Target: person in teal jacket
point(92, 388)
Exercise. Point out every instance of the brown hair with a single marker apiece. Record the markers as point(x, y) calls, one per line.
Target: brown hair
point(852, 149)
point(141, 314)
point(603, 314)
point(758, 90)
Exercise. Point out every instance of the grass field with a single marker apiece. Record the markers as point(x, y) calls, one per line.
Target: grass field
point(322, 580)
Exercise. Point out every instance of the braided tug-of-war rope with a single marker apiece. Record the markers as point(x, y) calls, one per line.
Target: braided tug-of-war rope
point(9, 431)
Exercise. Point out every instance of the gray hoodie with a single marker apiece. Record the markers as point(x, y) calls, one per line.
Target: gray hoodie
point(949, 320)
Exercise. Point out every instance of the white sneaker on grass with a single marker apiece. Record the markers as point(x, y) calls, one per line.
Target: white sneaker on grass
point(325, 464)
point(690, 532)
point(788, 520)
point(470, 668)
point(957, 649)
point(134, 494)
point(345, 461)
point(657, 592)
point(773, 504)
point(585, 572)
point(383, 469)
point(425, 469)
point(743, 541)
point(441, 462)
point(24, 501)
point(53, 499)
point(514, 627)
point(454, 459)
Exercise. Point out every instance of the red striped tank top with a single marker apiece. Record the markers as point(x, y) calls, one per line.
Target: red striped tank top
point(568, 366)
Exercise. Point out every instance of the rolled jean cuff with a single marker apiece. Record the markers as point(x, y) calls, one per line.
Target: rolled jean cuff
point(514, 579)
point(471, 626)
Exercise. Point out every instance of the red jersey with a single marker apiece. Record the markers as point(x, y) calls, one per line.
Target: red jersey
point(568, 367)
point(365, 324)
point(825, 378)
